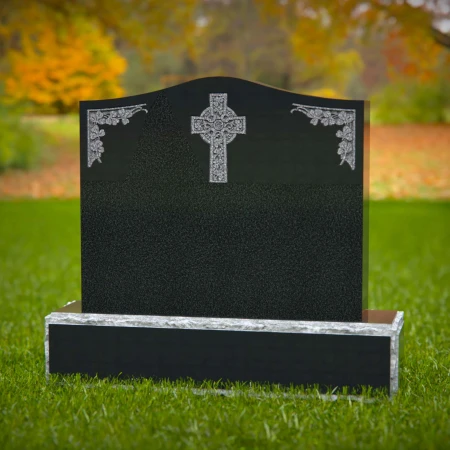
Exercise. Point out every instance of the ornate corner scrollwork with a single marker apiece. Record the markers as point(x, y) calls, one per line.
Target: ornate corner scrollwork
point(106, 116)
point(335, 116)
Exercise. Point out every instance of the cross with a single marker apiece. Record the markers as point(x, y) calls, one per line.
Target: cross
point(218, 125)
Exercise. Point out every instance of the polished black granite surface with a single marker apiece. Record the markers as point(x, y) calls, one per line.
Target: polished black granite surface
point(332, 361)
point(248, 212)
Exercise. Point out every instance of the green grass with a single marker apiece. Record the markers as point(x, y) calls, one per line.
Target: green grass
point(61, 133)
point(61, 127)
point(40, 271)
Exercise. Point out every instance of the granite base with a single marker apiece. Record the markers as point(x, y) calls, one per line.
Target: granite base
point(329, 354)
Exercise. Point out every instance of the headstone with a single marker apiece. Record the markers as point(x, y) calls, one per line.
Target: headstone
point(224, 238)
point(224, 198)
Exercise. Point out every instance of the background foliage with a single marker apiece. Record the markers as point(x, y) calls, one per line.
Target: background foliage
point(56, 67)
point(20, 144)
point(412, 102)
point(54, 53)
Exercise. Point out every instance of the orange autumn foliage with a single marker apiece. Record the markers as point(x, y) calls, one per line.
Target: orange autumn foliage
point(405, 56)
point(56, 67)
point(410, 49)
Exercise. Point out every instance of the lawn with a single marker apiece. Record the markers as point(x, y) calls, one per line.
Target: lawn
point(40, 271)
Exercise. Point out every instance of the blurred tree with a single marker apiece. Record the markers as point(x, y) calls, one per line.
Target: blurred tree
point(55, 67)
point(293, 44)
point(55, 53)
point(278, 44)
point(405, 26)
point(143, 25)
point(440, 37)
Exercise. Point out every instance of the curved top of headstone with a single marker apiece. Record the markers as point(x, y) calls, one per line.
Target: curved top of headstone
point(225, 81)
point(280, 136)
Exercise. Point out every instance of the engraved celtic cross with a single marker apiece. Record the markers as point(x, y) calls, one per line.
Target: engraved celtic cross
point(218, 125)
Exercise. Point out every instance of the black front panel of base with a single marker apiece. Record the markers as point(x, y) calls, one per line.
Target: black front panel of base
point(282, 358)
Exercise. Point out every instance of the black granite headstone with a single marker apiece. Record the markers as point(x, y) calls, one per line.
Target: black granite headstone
point(224, 198)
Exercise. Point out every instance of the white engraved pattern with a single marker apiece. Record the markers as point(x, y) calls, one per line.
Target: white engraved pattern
point(335, 116)
point(218, 125)
point(105, 116)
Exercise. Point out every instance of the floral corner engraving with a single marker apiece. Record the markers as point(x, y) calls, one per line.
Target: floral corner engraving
point(335, 116)
point(106, 116)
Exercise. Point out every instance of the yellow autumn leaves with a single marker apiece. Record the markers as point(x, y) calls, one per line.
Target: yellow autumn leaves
point(56, 67)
